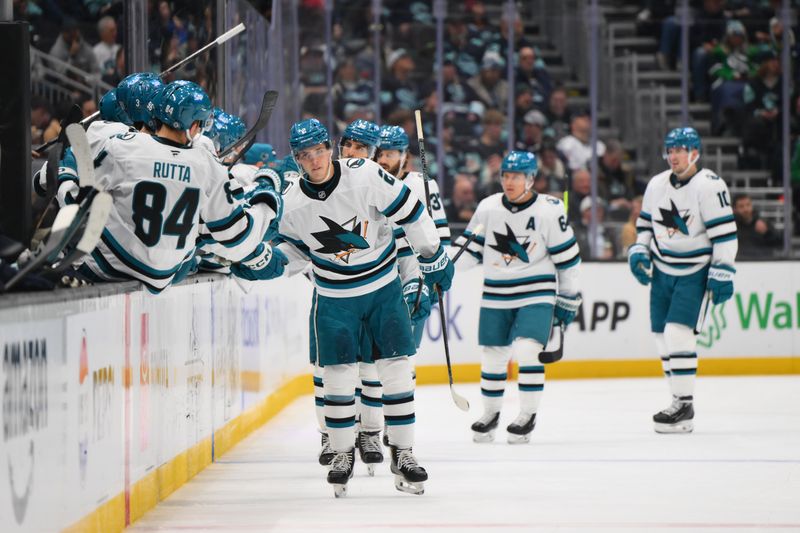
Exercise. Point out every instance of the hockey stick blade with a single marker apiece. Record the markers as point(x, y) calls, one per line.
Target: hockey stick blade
point(63, 223)
point(83, 154)
point(459, 400)
point(99, 211)
point(267, 106)
point(557, 352)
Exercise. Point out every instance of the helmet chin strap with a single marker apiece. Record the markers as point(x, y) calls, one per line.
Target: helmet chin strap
point(692, 161)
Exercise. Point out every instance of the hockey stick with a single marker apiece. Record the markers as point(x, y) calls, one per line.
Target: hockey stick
point(473, 235)
point(236, 30)
point(267, 106)
point(425, 178)
point(99, 211)
point(459, 400)
point(51, 179)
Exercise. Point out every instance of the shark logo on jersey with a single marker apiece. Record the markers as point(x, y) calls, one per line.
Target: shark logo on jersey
point(674, 220)
point(511, 246)
point(339, 241)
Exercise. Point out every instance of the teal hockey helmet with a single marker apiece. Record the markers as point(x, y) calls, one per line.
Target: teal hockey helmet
point(136, 93)
point(524, 162)
point(393, 138)
point(111, 110)
point(181, 105)
point(308, 133)
point(261, 152)
point(682, 137)
point(362, 131)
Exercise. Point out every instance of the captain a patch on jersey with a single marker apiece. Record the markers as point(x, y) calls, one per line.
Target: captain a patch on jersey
point(512, 246)
point(340, 241)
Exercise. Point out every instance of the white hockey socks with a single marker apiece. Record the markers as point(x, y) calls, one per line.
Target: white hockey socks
point(340, 404)
point(663, 354)
point(398, 400)
point(680, 341)
point(494, 373)
point(531, 373)
point(319, 399)
point(370, 408)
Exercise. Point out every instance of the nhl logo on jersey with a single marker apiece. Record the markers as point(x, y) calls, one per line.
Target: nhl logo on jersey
point(355, 163)
point(321, 195)
point(342, 242)
point(512, 246)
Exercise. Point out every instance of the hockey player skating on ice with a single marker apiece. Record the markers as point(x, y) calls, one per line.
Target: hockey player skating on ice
point(359, 141)
point(685, 249)
point(530, 262)
point(161, 187)
point(336, 218)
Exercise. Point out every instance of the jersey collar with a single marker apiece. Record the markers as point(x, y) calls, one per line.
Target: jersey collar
point(678, 184)
point(322, 191)
point(516, 208)
point(170, 142)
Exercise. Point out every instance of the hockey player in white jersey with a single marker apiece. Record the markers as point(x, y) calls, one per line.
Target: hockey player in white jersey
point(685, 249)
point(336, 218)
point(162, 188)
point(530, 261)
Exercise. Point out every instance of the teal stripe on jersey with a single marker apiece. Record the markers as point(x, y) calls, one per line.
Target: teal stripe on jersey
point(520, 281)
point(362, 268)
point(725, 267)
point(719, 221)
point(214, 224)
point(676, 265)
point(692, 253)
point(517, 296)
point(724, 238)
point(569, 264)
point(134, 263)
point(563, 247)
point(646, 216)
point(394, 206)
point(478, 238)
point(365, 280)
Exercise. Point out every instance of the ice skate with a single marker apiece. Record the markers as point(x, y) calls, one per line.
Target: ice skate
point(677, 418)
point(341, 471)
point(409, 476)
point(369, 449)
point(386, 435)
point(485, 427)
point(326, 453)
point(519, 431)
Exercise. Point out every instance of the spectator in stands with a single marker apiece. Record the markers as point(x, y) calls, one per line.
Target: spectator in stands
point(756, 236)
point(458, 96)
point(707, 29)
point(551, 168)
point(116, 76)
point(313, 70)
point(491, 140)
point(481, 30)
point(536, 76)
point(615, 179)
point(762, 98)
point(71, 48)
point(576, 146)
point(105, 52)
point(628, 236)
point(500, 45)
point(464, 52)
point(534, 124)
point(523, 102)
point(463, 201)
point(490, 175)
point(604, 248)
point(489, 85)
point(400, 90)
point(88, 106)
point(558, 114)
point(732, 65)
point(41, 119)
point(581, 188)
point(350, 88)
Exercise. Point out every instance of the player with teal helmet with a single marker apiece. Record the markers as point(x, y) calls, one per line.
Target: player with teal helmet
point(111, 110)
point(682, 138)
point(360, 139)
point(519, 162)
point(393, 149)
point(136, 93)
point(310, 143)
point(179, 106)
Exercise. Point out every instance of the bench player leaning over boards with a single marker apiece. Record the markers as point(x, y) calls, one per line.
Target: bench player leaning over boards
point(685, 249)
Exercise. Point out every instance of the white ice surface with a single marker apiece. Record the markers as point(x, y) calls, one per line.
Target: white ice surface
point(594, 463)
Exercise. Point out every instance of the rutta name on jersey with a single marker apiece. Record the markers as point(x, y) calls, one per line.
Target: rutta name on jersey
point(172, 171)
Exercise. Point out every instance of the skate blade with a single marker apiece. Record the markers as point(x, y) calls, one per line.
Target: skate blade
point(371, 470)
point(339, 490)
point(409, 487)
point(687, 426)
point(519, 439)
point(482, 438)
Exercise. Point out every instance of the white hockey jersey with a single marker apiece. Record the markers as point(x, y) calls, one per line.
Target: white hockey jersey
point(529, 252)
point(342, 227)
point(687, 224)
point(97, 134)
point(405, 254)
point(162, 192)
